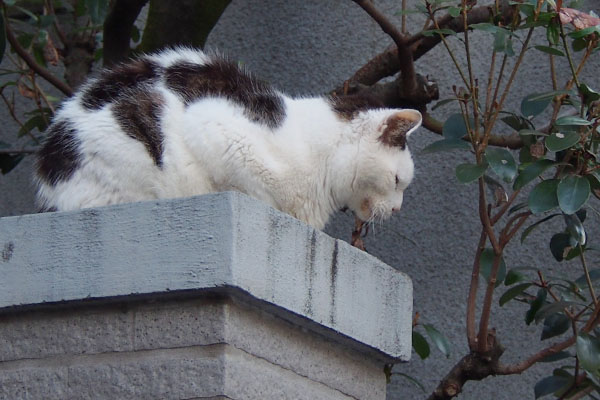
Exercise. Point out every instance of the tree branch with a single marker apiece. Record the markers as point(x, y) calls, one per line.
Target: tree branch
point(117, 29)
point(472, 298)
point(388, 62)
point(523, 365)
point(404, 54)
point(31, 63)
point(512, 141)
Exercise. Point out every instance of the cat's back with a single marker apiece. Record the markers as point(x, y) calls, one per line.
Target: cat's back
point(121, 137)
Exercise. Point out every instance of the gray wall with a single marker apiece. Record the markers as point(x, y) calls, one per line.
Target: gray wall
point(307, 47)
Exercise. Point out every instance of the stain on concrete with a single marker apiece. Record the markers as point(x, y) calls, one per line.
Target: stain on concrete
point(7, 252)
point(310, 271)
point(332, 287)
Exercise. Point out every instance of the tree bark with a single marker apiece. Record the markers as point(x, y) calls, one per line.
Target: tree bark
point(117, 29)
point(186, 22)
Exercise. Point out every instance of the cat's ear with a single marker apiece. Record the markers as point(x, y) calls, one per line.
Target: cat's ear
point(399, 126)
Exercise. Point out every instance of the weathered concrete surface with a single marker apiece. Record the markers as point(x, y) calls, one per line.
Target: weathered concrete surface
point(216, 296)
point(176, 349)
point(224, 240)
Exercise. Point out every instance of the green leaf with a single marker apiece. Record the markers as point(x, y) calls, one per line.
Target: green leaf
point(531, 227)
point(588, 93)
point(535, 305)
point(554, 325)
point(579, 44)
point(552, 309)
point(34, 18)
point(549, 385)
point(531, 172)
point(446, 145)
point(434, 32)
point(584, 32)
point(573, 192)
point(575, 228)
point(531, 132)
point(420, 345)
point(9, 161)
point(513, 292)
point(550, 50)
point(97, 10)
point(454, 127)
point(558, 141)
point(560, 245)
point(550, 94)
point(135, 34)
point(454, 11)
point(588, 352)
point(443, 103)
point(515, 275)
point(440, 340)
point(503, 42)
point(2, 37)
point(552, 33)
point(486, 262)
point(530, 108)
point(561, 355)
point(570, 120)
point(516, 122)
point(517, 207)
point(543, 196)
point(37, 121)
point(502, 163)
point(582, 280)
point(467, 173)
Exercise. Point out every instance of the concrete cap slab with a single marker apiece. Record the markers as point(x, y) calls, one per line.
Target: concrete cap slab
point(219, 242)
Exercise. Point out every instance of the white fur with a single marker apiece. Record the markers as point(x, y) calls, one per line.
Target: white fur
point(310, 166)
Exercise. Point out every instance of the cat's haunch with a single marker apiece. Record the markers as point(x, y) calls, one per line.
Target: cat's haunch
point(181, 122)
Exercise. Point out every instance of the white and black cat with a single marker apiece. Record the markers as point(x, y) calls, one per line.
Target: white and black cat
point(182, 122)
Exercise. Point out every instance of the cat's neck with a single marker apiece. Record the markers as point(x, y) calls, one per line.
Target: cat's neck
point(319, 146)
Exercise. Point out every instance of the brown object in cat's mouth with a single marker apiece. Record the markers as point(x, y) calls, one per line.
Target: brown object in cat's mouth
point(357, 236)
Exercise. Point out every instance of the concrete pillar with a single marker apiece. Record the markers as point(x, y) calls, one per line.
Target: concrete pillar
point(217, 297)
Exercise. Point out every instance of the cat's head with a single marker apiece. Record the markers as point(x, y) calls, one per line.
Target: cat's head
point(382, 164)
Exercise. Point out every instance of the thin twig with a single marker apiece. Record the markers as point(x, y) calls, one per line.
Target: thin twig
point(472, 88)
point(30, 61)
point(472, 297)
point(568, 53)
point(482, 345)
point(505, 206)
point(11, 108)
point(587, 275)
point(509, 231)
point(407, 68)
point(488, 95)
point(511, 79)
point(57, 27)
point(450, 52)
point(523, 365)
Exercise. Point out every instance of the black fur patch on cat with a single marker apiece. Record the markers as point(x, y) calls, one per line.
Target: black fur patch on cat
point(347, 107)
point(395, 132)
point(113, 82)
point(59, 156)
point(224, 79)
point(138, 114)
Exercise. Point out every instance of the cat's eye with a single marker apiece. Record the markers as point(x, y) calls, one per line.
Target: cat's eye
point(397, 181)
